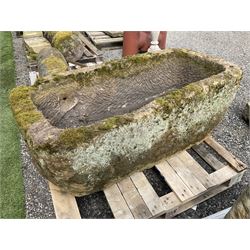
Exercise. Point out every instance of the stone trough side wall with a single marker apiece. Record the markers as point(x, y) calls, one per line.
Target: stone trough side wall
point(86, 159)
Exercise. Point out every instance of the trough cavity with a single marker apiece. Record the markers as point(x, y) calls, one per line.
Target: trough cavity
point(75, 104)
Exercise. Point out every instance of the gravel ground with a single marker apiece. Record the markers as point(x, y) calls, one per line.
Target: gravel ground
point(37, 196)
point(232, 132)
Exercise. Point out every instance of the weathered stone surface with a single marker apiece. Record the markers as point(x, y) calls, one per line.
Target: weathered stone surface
point(68, 43)
point(49, 35)
point(31, 34)
point(241, 208)
point(36, 44)
point(246, 112)
point(51, 61)
point(90, 128)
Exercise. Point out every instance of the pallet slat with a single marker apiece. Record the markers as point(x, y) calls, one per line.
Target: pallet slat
point(135, 202)
point(90, 45)
point(231, 159)
point(60, 198)
point(96, 33)
point(174, 206)
point(222, 175)
point(196, 169)
point(174, 181)
point(114, 33)
point(108, 41)
point(101, 37)
point(208, 157)
point(186, 175)
point(117, 203)
point(147, 193)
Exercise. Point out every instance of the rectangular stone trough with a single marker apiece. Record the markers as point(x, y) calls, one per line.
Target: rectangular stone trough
point(92, 127)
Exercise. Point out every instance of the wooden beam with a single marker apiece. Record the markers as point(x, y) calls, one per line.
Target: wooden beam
point(134, 200)
point(208, 157)
point(64, 203)
point(174, 181)
point(194, 185)
point(117, 203)
point(231, 159)
point(197, 170)
point(147, 193)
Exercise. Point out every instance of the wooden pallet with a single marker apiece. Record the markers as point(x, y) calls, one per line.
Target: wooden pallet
point(102, 40)
point(191, 184)
point(114, 33)
point(91, 53)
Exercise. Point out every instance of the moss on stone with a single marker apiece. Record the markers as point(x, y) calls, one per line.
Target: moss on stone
point(126, 67)
point(25, 111)
point(73, 137)
point(114, 122)
point(180, 97)
point(49, 35)
point(60, 37)
point(25, 119)
point(54, 65)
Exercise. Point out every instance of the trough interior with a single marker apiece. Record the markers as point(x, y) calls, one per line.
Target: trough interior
point(73, 105)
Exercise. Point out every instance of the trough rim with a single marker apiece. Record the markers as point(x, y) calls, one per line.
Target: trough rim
point(37, 120)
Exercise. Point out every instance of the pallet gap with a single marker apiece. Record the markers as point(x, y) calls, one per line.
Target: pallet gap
point(202, 162)
point(214, 153)
point(157, 181)
point(94, 206)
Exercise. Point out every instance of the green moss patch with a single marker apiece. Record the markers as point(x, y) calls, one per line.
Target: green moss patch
point(25, 111)
point(54, 65)
point(73, 137)
point(61, 37)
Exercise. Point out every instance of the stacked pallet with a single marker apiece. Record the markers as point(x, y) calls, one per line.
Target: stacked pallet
point(106, 39)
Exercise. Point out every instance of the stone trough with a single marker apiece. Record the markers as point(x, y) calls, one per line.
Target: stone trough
point(90, 128)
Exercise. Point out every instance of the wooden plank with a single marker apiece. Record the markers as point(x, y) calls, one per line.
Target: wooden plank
point(222, 175)
point(109, 41)
point(236, 179)
point(114, 33)
point(91, 37)
point(170, 201)
point(147, 193)
point(174, 181)
point(101, 37)
point(194, 185)
point(174, 206)
point(64, 203)
point(96, 33)
point(112, 47)
point(231, 159)
point(196, 169)
point(117, 203)
point(90, 46)
point(208, 157)
point(134, 200)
